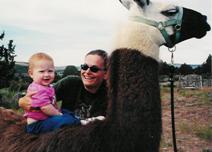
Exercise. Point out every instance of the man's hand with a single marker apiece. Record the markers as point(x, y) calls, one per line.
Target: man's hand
point(51, 110)
point(25, 102)
point(92, 119)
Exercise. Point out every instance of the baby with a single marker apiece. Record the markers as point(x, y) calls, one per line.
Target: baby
point(45, 115)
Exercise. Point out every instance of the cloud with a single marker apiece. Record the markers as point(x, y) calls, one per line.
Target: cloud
point(68, 29)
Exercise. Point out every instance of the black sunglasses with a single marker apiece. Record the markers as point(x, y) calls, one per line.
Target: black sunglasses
point(93, 68)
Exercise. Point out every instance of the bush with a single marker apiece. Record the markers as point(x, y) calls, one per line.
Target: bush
point(18, 85)
point(9, 99)
point(205, 133)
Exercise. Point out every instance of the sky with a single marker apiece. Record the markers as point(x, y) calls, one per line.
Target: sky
point(68, 29)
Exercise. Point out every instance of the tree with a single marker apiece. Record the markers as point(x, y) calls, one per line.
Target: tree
point(7, 63)
point(164, 68)
point(185, 69)
point(198, 70)
point(206, 66)
point(57, 77)
point(70, 70)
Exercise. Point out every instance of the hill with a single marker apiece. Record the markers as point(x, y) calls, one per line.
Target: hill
point(192, 65)
point(22, 67)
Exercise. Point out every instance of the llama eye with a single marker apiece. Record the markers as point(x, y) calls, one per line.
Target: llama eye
point(170, 12)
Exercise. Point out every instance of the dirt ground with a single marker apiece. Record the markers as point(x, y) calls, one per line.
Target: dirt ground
point(193, 115)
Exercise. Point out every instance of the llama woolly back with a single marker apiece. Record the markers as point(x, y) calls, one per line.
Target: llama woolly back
point(133, 122)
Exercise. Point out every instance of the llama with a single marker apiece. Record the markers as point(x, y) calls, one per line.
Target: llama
point(133, 121)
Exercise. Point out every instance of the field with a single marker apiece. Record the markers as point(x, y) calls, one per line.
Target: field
point(193, 120)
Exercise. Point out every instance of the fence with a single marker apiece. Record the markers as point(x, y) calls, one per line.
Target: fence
point(194, 81)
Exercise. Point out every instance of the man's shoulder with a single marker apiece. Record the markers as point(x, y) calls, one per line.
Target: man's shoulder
point(71, 78)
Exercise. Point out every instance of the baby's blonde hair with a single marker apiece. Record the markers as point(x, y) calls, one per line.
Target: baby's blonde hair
point(38, 56)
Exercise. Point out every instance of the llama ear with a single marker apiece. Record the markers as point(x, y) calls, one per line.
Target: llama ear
point(128, 3)
point(142, 3)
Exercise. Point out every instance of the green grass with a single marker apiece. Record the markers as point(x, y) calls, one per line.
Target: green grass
point(8, 98)
point(205, 133)
point(164, 143)
point(201, 131)
point(200, 94)
point(185, 128)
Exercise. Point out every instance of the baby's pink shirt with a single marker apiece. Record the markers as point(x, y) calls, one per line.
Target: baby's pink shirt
point(45, 95)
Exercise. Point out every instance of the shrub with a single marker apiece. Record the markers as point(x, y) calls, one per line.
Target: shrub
point(9, 99)
point(205, 133)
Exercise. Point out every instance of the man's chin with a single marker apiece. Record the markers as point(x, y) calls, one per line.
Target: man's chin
point(88, 85)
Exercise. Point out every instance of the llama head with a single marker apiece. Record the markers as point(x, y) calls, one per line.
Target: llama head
point(152, 24)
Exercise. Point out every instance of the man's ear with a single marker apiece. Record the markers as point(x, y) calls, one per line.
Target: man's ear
point(106, 75)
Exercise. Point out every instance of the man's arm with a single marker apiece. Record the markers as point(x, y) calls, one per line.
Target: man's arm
point(25, 102)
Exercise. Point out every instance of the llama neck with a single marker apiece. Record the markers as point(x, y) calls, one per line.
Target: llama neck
point(139, 36)
point(134, 106)
point(134, 86)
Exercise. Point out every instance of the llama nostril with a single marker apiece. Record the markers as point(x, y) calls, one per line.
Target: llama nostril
point(207, 26)
point(204, 17)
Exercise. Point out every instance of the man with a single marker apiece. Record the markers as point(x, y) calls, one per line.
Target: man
point(85, 96)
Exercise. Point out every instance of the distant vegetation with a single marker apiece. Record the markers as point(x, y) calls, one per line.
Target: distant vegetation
point(14, 78)
point(21, 68)
point(184, 69)
point(7, 62)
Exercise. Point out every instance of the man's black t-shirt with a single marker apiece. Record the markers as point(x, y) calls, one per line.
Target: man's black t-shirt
point(78, 100)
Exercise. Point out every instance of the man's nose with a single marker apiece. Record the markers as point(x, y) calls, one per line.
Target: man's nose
point(88, 70)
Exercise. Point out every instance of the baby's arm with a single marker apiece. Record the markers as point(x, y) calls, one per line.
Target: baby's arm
point(50, 110)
